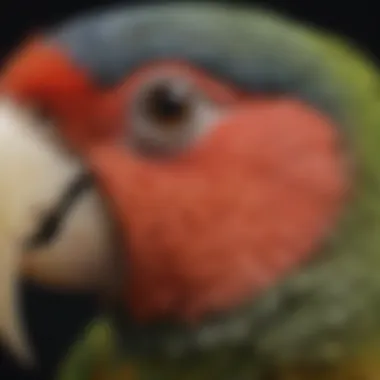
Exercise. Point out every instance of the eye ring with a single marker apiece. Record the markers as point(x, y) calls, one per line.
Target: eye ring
point(168, 114)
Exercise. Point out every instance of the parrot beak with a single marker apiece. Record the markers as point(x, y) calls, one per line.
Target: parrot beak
point(53, 227)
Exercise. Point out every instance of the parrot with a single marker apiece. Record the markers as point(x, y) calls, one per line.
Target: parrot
point(211, 172)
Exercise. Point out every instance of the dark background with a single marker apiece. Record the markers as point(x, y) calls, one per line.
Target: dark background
point(56, 319)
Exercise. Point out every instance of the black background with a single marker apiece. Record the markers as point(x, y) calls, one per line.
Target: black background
point(55, 319)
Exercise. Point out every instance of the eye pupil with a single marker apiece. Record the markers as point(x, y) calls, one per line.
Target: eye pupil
point(166, 106)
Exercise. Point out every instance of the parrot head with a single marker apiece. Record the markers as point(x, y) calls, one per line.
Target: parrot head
point(205, 148)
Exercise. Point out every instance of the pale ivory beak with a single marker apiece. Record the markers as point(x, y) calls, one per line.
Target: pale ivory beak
point(34, 172)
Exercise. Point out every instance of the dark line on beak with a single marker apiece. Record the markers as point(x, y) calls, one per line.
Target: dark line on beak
point(52, 222)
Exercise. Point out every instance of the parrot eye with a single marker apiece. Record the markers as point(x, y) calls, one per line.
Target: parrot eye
point(167, 106)
point(169, 113)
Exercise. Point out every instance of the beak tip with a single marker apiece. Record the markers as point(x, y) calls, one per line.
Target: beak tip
point(12, 329)
point(19, 349)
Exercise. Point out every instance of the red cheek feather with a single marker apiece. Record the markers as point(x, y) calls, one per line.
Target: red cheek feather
point(211, 229)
